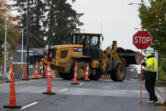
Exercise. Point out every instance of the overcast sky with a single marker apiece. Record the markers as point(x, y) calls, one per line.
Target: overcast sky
point(118, 19)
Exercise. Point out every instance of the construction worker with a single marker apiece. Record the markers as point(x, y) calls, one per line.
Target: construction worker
point(150, 72)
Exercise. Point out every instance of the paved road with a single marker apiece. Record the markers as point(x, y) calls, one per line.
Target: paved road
point(103, 95)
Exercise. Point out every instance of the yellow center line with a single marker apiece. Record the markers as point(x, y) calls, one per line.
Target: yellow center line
point(19, 82)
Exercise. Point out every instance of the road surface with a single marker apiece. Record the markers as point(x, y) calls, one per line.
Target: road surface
point(102, 95)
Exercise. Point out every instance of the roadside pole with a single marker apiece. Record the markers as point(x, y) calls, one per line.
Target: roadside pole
point(27, 40)
point(157, 57)
point(141, 80)
point(142, 40)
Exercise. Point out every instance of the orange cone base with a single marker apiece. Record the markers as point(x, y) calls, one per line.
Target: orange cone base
point(75, 83)
point(87, 80)
point(12, 107)
point(51, 93)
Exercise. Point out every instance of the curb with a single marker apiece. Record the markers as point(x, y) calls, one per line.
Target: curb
point(160, 96)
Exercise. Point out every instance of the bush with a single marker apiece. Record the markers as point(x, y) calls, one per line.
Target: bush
point(163, 62)
point(162, 74)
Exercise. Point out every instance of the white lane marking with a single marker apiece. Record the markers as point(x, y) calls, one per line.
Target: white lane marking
point(64, 90)
point(29, 105)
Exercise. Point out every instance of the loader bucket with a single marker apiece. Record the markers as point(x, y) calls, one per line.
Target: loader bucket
point(131, 56)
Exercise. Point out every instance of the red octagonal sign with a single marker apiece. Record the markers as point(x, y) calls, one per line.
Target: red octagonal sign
point(142, 39)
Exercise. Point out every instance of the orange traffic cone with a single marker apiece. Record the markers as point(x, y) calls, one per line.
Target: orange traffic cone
point(49, 86)
point(42, 72)
point(42, 75)
point(102, 76)
point(46, 72)
point(42, 69)
point(75, 75)
point(87, 72)
point(36, 69)
point(12, 100)
point(25, 72)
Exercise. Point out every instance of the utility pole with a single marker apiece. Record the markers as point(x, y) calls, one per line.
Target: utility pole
point(22, 46)
point(5, 46)
point(27, 40)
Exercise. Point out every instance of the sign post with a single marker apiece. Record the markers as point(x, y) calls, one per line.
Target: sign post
point(142, 40)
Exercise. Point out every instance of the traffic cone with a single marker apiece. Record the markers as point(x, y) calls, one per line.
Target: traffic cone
point(42, 69)
point(102, 76)
point(75, 75)
point(36, 71)
point(25, 72)
point(49, 86)
point(12, 100)
point(87, 72)
point(46, 72)
point(9, 73)
point(42, 75)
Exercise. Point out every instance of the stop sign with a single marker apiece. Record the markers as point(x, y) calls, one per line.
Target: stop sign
point(142, 39)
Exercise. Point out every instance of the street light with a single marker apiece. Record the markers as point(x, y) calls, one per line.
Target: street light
point(5, 47)
point(23, 41)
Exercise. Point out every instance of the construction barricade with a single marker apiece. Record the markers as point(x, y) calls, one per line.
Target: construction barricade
point(25, 72)
point(35, 75)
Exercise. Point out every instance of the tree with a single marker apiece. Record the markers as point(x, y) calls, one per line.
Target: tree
point(153, 19)
point(61, 21)
point(12, 29)
point(51, 19)
point(36, 17)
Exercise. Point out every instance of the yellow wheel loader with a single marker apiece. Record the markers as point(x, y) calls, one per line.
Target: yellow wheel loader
point(85, 48)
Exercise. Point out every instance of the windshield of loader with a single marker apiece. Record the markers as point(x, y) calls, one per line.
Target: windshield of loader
point(90, 40)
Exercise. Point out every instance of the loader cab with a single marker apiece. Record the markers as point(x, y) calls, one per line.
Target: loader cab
point(91, 43)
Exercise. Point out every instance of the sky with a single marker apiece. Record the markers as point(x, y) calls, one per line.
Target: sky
point(119, 20)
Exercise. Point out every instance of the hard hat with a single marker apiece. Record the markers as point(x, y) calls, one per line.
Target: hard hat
point(149, 52)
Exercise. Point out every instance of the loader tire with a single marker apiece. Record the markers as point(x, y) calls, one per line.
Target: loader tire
point(119, 73)
point(66, 76)
point(96, 76)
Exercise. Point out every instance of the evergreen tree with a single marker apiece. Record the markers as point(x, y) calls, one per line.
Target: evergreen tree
point(52, 19)
point(36, 17)
point(61, 21)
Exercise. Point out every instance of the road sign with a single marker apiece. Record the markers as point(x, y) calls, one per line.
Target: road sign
point(142, 39)
point(7, 45)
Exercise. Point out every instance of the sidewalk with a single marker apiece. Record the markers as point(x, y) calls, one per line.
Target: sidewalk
point(161, 93)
